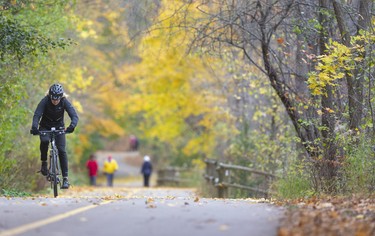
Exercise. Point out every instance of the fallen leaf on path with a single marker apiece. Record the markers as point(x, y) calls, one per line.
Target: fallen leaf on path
point(223, 227)
point(149, 200)
point(151, 206)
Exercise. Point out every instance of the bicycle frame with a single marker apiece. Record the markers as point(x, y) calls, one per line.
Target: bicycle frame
point(54, 174)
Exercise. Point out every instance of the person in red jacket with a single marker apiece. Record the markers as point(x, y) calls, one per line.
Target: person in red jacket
point(92, 167)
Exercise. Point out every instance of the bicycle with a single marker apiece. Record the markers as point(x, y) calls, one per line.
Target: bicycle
point(54, 174)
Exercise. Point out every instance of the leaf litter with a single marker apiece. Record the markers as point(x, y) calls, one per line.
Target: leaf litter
point(330, 216)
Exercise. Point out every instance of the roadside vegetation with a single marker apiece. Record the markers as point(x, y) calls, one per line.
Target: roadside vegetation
point(285, 88)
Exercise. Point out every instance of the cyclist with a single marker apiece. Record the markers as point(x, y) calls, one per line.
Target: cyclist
point(50, 113)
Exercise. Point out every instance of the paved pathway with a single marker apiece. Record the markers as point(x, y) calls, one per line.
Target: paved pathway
point(136, 211)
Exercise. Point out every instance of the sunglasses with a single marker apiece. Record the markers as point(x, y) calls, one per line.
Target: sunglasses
point(55, 98)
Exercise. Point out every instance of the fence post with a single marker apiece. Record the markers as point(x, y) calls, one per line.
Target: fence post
point(161, 177)
point(211, 176)
point(222, 189)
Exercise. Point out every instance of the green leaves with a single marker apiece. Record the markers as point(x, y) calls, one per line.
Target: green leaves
point(28, 35)
point(18, 41)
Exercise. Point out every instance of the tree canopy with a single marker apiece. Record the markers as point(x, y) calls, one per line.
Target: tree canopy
point(265, 84)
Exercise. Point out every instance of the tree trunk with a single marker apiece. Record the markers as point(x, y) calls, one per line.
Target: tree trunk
point(356, 81)
point(327, 168)
point(307, 133)
point(253, 27)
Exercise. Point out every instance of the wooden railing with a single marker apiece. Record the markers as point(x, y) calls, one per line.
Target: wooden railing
point(171, 176)
point(223, 177)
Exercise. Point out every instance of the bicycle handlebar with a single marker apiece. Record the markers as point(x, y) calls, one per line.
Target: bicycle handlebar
point(45, 132)
point(55, 131)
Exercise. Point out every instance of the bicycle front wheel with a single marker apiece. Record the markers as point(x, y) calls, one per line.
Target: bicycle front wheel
point(54, 170)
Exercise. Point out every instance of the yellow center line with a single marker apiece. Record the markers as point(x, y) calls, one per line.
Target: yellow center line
point(40, 223)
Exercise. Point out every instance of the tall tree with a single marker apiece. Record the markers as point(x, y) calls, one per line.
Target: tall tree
point(29, 32)
point(268, 30)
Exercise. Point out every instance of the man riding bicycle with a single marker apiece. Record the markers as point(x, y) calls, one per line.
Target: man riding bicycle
point(50, 113)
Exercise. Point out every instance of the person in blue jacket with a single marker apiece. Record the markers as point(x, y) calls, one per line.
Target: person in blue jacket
point(50, 113)
point(146, 171)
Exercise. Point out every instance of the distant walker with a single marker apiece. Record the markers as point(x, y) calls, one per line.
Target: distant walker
point(146, 170)
point(109, 169)
point(134, 143)
point(92, 168)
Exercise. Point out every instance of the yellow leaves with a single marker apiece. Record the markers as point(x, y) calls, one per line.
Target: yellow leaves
point(259, 115)
point(329, 110)
point(203, 143)
point(167, 130)
point(168, 94)
point(193, 146)
point(86, 29)
point(330, 68)
point(199, 164)
point(75, 79)
point(112, 15)
point(340, 51)
point(263, 90)
point(339, 61)
point(77, 105)
point(172, 92)
point(106, 127)
point(83, 140)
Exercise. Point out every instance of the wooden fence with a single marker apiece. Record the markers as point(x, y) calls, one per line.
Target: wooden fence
point(224, 177)
point(171, 176)
point(221, 179)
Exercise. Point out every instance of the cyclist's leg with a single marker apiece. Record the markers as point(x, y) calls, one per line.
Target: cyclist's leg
point(60, 144)
point(44, 143)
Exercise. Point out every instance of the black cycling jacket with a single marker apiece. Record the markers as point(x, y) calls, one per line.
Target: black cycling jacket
point(48, 115)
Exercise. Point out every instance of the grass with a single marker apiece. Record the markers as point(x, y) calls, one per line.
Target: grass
point(14, 193)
